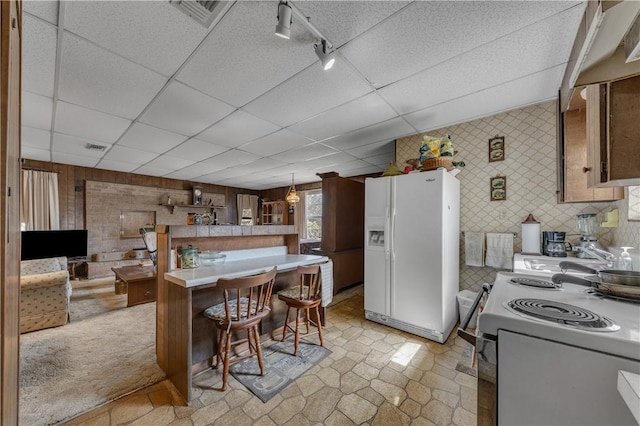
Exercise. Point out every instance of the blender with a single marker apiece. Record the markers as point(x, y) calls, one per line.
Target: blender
point(587, 225)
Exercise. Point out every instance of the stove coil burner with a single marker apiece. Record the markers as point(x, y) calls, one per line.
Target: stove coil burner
point(561, 313)
point(605, 295)
point(533, 282)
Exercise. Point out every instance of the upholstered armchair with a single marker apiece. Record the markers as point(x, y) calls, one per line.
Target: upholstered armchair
point(45, 291)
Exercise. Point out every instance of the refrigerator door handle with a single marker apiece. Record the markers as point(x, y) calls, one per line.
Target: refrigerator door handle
point(392, 233)
point(387, 236)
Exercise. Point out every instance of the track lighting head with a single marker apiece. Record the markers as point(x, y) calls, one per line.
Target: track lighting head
point(283, 29)
point(327, 58)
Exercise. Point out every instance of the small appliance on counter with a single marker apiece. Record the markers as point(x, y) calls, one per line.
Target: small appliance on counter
point(554, 244)
point(587, 225)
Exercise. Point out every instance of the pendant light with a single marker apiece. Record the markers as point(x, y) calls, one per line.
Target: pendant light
point(292, 197)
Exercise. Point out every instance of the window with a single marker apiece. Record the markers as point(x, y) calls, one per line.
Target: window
point(313, 214)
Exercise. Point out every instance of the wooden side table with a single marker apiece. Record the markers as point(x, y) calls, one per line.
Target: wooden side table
point(141, 283)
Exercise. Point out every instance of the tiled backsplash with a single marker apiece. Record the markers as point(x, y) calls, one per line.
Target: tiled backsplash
point(530, 166)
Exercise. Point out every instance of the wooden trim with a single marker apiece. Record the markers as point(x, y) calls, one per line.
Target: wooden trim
point(10, 92)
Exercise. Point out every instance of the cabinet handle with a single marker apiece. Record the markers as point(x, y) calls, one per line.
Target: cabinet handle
point(586, 169)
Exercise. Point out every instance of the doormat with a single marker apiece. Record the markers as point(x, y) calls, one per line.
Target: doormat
point(467, 364)
point(281, 367)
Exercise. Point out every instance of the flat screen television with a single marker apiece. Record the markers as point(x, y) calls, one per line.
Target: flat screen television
point(42, 244)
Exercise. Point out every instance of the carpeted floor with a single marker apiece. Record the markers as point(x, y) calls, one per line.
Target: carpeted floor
point(106, 351)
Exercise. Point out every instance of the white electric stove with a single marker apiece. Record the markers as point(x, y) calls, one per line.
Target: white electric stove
point(558, 370)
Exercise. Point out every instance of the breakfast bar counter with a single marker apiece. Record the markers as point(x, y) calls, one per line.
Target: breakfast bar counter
point(186, 341)
point(240, 268)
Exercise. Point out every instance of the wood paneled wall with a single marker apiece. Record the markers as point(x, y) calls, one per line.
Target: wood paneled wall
point(71, 180)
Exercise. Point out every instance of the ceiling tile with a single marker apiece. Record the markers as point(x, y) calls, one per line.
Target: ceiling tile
point(193, 171)
point(354, 164)
point(153, 171)
point(74, 160)
point(515, 94)
point(236, 129)
point(98, 79)
point(164, 36)
point(391, 129)
point(230, 158)
point(47, 10)
point(129, 155)
point(118, 166)
point(341, 21)
point(307, 94)
point(546, 44)
point(424, 34)
point(196, 150)
point(141, 136)
point(308, 152)
point(77, 146)
point(35, 138)
point(170, 163)
point(181, 109)
point(362, 112)
point(260, 165)
point(39, 42)
point(226, 65)
point(372, 149)
point(276, 143)
point(82, 122)
point(220, 175)
point(36, 110)
point(38, 154)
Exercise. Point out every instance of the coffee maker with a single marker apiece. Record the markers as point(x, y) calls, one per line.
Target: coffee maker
point(553, 244)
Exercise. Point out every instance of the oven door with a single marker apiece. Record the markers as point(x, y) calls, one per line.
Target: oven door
point(487, 360)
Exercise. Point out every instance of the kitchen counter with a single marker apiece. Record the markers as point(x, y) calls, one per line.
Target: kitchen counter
point(242, 267)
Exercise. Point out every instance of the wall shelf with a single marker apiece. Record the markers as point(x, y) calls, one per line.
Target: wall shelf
point(192, 206)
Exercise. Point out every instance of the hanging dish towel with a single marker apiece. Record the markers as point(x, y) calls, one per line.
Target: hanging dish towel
point(500, 251)
point(326, 275)
point(474, 248)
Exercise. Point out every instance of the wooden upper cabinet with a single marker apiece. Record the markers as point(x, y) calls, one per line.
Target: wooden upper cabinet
point(275, 213)
point(576, 171)
point(613, 111)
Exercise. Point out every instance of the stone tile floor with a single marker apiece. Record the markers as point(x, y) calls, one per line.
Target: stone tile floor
point(375, 375)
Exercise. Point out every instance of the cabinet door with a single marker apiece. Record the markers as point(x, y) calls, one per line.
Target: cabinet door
point(576, 170)
point(624, 129)
point(614, 133)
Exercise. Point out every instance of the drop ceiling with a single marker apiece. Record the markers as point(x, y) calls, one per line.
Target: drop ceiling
point(234, 105)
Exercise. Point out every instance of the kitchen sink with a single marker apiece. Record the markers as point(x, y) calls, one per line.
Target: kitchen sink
point(523, 263)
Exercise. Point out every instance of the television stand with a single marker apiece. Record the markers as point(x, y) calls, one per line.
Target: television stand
point(72, 263)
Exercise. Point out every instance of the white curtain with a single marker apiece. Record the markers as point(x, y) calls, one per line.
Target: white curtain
point(247, 202)
point(39, 203)
point(300, 216)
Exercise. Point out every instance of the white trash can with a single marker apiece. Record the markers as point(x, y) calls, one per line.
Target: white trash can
point(465, 300)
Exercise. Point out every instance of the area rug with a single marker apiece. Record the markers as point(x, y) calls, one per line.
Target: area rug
point(281, 367)
point(94, 297)
point(467, 364)
point(68, 370)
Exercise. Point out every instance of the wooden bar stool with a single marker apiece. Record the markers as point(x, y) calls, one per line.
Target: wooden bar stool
point(254, 293)
point(306, 295)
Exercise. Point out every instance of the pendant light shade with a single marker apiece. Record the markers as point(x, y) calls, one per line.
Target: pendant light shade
point(292, 197)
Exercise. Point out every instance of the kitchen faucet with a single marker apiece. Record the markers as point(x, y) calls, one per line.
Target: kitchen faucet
point(592, 250)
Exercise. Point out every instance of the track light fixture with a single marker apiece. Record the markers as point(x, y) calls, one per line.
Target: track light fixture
point(283, 29)
point(322, 48)
point(327, 59)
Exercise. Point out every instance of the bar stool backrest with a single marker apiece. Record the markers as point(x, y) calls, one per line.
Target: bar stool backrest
point(309, 282)
point(253, 291)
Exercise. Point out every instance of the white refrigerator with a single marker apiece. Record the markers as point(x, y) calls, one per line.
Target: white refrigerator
point(411, 252)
